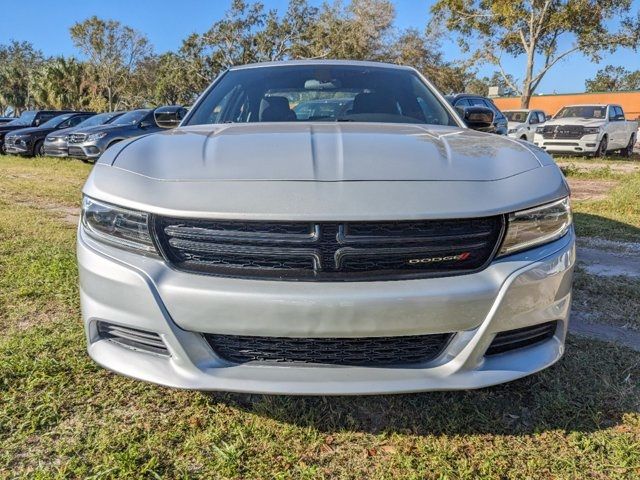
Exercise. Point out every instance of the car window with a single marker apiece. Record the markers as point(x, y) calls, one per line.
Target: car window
point(533, 118)
point(516, 116)
point(56, 121)
point(45, 117)
point(299, 93)
point(542, 117)
point(619, 113)
point(463, 102)
point(582, 111)
point(612, 113)
point(131, 118)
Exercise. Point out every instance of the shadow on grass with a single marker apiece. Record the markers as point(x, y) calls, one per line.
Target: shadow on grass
point(589, 389)
point(591, 225)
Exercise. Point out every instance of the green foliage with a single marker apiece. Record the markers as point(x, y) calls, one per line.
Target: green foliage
point(18, 63)
point(614, 79)
point(532, 30)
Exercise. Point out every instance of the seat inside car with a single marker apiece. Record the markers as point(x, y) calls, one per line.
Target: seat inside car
point(276, 109)
point(374, 103)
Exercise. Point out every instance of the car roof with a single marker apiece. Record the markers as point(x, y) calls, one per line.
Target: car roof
point(287, 63)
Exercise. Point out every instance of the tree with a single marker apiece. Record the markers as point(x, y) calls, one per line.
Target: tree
point(536, 30)
point(423, 53)
point(19, 62)
point(113, 51)
point(614, 79)
point(63, 84)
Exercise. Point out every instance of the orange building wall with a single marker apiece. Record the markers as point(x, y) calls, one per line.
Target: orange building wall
point(630, 102)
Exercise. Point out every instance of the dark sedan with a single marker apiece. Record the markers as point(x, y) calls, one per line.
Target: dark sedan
point(463, 100)
point(30, 141)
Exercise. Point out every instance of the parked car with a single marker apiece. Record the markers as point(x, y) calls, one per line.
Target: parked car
point(30, 118)
point(388, 249)
point(319, 109)
point(464, 100)
point(588, 129)
point(30, 141)
point(523, 123)
point(88, 144)
point(56, 143)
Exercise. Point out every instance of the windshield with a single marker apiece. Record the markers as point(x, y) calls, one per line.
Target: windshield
point(584, 111)
point(328, 93)
point(96, 120)
point(131, 118)
point(514, 116)
point(24, 120)
point(55, 121)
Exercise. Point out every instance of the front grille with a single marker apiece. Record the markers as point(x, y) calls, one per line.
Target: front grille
point(369, 351)
point(521, 337)
point(77, 137)
point(349, 251)
point(132, 338)
point(562, 131)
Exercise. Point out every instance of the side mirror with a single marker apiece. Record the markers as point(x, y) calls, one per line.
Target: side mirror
point(169, 116)
point(478, 118)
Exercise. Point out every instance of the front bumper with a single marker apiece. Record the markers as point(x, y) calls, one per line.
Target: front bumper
point(16, 149)
point(588, 144)
point(141, 292)
point(56, 149)
point(87, 150)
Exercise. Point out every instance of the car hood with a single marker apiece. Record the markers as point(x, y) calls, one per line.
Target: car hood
point(32, 130)
point(324, 152)
point(585, 122)
point(100, 128)
point(516, 125)
point(62, 132)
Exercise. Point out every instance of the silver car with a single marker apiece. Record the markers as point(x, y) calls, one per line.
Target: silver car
point(390, 248)
point(56, 143)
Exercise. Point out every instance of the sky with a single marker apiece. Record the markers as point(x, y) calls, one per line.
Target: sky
point(166, 22)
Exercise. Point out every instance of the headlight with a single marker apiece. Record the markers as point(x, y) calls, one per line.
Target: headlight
point(535, 226)
point(52, 139)
point(117, 226)
point(540, 130)
point(97, 136)
point(512, 130)
point(591, 130)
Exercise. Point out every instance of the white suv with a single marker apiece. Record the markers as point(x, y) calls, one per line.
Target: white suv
point(523, 123)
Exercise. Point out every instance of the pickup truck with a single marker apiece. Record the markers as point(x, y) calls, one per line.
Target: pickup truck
point(588, 130)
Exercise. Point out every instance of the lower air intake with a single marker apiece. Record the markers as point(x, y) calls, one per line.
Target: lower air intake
point(132, 338)
point(521, 337)
point(368, 351)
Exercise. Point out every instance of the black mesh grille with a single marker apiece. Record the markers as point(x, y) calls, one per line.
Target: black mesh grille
point(329, 251)
point(562, 131)
point(370, 351)
point(521, 337)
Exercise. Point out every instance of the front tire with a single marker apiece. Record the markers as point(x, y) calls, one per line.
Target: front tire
point(602, 147)
point(38, 149)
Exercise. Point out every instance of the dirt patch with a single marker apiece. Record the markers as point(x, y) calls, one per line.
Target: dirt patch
point(608, 258)
point(616, 167)
point(606, 333)
point(69, 215)
point(583, 189)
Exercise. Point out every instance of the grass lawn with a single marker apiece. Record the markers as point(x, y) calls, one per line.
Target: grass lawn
point(61, 416)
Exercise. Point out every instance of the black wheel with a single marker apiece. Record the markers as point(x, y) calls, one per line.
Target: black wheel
point(38, 149)
point(3, 151)
point(524, 137)
point(602, 148)
point(628, 150)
